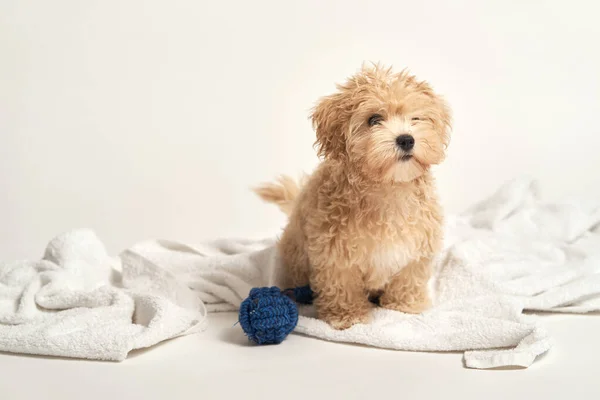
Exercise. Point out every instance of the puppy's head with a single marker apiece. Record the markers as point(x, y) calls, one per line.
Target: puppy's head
point(389, 126)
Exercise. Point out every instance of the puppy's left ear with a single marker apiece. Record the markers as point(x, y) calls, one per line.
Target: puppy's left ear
point(443, 122)
point(330, 120)
point(440, 110)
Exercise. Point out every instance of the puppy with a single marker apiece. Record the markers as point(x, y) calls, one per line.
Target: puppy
point(367, 222)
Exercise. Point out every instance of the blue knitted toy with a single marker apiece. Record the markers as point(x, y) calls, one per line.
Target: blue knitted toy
point(268, 315)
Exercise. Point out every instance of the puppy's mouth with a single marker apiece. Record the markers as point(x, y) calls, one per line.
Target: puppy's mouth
point(406, 157)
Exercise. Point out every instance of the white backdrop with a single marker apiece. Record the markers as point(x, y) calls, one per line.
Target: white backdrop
point(150, 118)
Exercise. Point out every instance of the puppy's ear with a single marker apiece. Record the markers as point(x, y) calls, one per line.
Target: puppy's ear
point(442, 120)
point(440, 109)
point(330, 120)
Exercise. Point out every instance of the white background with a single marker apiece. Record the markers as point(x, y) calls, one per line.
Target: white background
point(145, 119)
point(152, 118)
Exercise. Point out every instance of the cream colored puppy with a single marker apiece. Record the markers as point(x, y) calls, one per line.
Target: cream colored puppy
point(367, 222)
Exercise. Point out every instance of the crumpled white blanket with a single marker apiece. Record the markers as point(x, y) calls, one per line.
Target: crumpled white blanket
point(505, 255)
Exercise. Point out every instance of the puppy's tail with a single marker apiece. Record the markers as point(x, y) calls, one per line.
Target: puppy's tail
point(283, 192)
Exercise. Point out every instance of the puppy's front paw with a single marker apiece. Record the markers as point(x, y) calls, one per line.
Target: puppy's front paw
point(345, 321)
point(406, 304)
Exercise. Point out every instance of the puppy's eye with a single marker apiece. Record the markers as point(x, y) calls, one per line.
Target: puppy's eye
point(415, 119)
point(375, 119)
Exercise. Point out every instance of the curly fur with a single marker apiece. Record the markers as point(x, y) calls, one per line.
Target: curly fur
point(367, 221)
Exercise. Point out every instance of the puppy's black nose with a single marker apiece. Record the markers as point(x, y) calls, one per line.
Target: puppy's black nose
point(405, 142)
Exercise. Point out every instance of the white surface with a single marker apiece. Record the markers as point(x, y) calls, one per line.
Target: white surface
point(150, 118)
point(510, 252)
point(220, 365)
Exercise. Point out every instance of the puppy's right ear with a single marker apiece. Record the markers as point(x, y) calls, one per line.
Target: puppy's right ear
point(330, 120)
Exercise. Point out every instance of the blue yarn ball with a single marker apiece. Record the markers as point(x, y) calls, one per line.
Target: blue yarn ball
point(267, 316)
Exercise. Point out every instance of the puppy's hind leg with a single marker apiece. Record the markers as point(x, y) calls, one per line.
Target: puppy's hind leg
point(296, 268)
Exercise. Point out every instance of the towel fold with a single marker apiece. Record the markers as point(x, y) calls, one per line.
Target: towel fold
point(505, 255)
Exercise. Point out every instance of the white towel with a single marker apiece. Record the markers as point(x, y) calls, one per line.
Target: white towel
point(79, 302)
point(506, 254)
